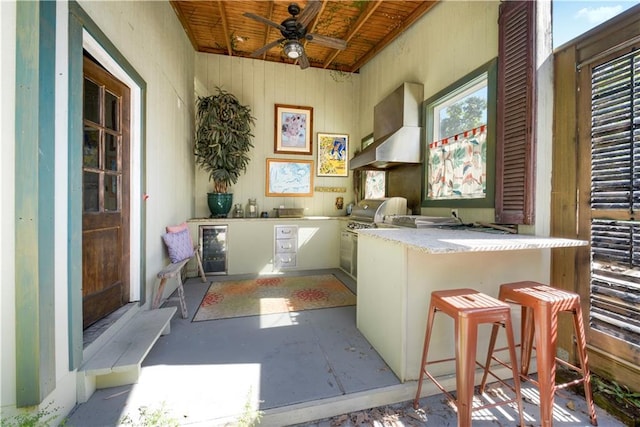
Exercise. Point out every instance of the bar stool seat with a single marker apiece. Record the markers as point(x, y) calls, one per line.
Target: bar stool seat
point(540, 307)
point(469, 309)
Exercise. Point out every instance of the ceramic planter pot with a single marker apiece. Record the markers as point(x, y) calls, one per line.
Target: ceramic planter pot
point(219, 204)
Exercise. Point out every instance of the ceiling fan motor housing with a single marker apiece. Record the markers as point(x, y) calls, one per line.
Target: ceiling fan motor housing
point(292, 29)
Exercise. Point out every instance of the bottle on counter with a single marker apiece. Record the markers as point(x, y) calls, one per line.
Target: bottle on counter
point(252, 209)
point(237, 211)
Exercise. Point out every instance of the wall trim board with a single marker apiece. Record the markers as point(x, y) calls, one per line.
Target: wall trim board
point(34, 193)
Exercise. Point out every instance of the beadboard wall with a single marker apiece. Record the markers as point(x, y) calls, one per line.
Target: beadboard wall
point(261, 85)
point(435, 53)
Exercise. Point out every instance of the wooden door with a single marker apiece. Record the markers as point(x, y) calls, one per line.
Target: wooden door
point(105, 193)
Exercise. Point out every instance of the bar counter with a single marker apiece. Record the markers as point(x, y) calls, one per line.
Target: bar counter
point(398, 268)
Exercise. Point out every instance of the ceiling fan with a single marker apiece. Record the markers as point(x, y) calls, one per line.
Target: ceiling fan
point(294, 30)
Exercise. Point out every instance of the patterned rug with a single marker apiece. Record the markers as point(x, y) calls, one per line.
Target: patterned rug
point(268, 295)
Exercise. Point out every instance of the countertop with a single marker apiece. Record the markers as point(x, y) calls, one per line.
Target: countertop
point(445, 240)
point(304, 218)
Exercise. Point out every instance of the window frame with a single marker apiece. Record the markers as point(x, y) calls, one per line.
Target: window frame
point(428, 107)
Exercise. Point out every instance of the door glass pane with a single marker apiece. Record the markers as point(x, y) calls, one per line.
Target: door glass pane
point(111, 152)
point(91, 101)
point(111, 117)
point(91, 148)
point(90, 191)
point(111, 193)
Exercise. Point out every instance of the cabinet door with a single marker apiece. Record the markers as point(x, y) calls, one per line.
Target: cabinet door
point(346, 251)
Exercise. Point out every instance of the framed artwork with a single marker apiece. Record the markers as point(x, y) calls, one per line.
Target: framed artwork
point(293, 129)
point(333, 154)
point(289, 177)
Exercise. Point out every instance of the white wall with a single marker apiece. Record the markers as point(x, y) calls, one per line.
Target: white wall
point(261, 85)
point(451, 40)
point(150, 37)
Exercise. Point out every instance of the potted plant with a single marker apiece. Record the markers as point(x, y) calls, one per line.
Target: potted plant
point(222, 143)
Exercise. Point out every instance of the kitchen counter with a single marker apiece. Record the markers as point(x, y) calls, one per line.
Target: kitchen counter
point(398, 268)
point(271, 219)
point(250, 242)
point(454, 240)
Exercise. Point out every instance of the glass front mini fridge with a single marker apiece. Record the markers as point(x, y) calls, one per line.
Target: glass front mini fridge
point(213, 247)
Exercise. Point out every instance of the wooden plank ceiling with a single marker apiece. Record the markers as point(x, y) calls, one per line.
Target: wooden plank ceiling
point(367, 26)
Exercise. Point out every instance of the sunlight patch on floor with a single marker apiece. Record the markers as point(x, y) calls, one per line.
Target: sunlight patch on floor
point(279, 319)
point(560, 414)
point(204, 398)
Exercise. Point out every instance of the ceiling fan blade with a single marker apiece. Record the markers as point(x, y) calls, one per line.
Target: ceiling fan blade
point(310, 11)
point(303, 61)
point(266, 47)
point(327, 41)
point(263, 20)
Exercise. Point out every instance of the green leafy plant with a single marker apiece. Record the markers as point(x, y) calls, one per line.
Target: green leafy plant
point(250, 417)
point(621, 394)
point(151, 418)
point(223, 138)
point(41, 418)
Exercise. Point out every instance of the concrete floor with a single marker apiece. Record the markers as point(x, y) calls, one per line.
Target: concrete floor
point(298, 368)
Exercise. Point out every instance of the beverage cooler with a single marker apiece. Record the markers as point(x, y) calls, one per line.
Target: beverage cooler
point(213, 248)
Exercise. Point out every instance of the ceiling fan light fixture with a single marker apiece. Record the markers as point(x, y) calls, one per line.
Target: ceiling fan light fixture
point(293, 49)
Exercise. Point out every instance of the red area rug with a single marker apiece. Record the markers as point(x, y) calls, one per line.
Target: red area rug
point(268, 295)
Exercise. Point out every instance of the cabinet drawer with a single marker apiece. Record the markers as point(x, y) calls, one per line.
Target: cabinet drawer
point(286, 245)
point(285, 260)
point(286, 231)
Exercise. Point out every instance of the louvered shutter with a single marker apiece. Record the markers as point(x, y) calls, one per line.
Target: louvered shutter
point(615, 189)
point(515, 148)
point(615, 138)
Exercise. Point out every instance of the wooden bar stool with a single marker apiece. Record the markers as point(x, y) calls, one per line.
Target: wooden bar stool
point(540, 307)
point(469, 309)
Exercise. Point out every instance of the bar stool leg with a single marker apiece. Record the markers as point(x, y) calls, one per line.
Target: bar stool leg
point(492, 345)
point(466, 333)
point(545, 345)
point(425, 350)
point(584, 363)
point(527, 332)
point(513, 361)
point(514, 368)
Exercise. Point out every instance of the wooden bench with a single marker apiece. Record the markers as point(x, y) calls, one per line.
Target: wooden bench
point(119, 361)
point(175, 270)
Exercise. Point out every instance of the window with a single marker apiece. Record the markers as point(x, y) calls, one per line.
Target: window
point(459, 153)
point(461, 110)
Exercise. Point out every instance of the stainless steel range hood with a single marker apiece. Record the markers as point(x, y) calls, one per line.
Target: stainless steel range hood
point(396, 130)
